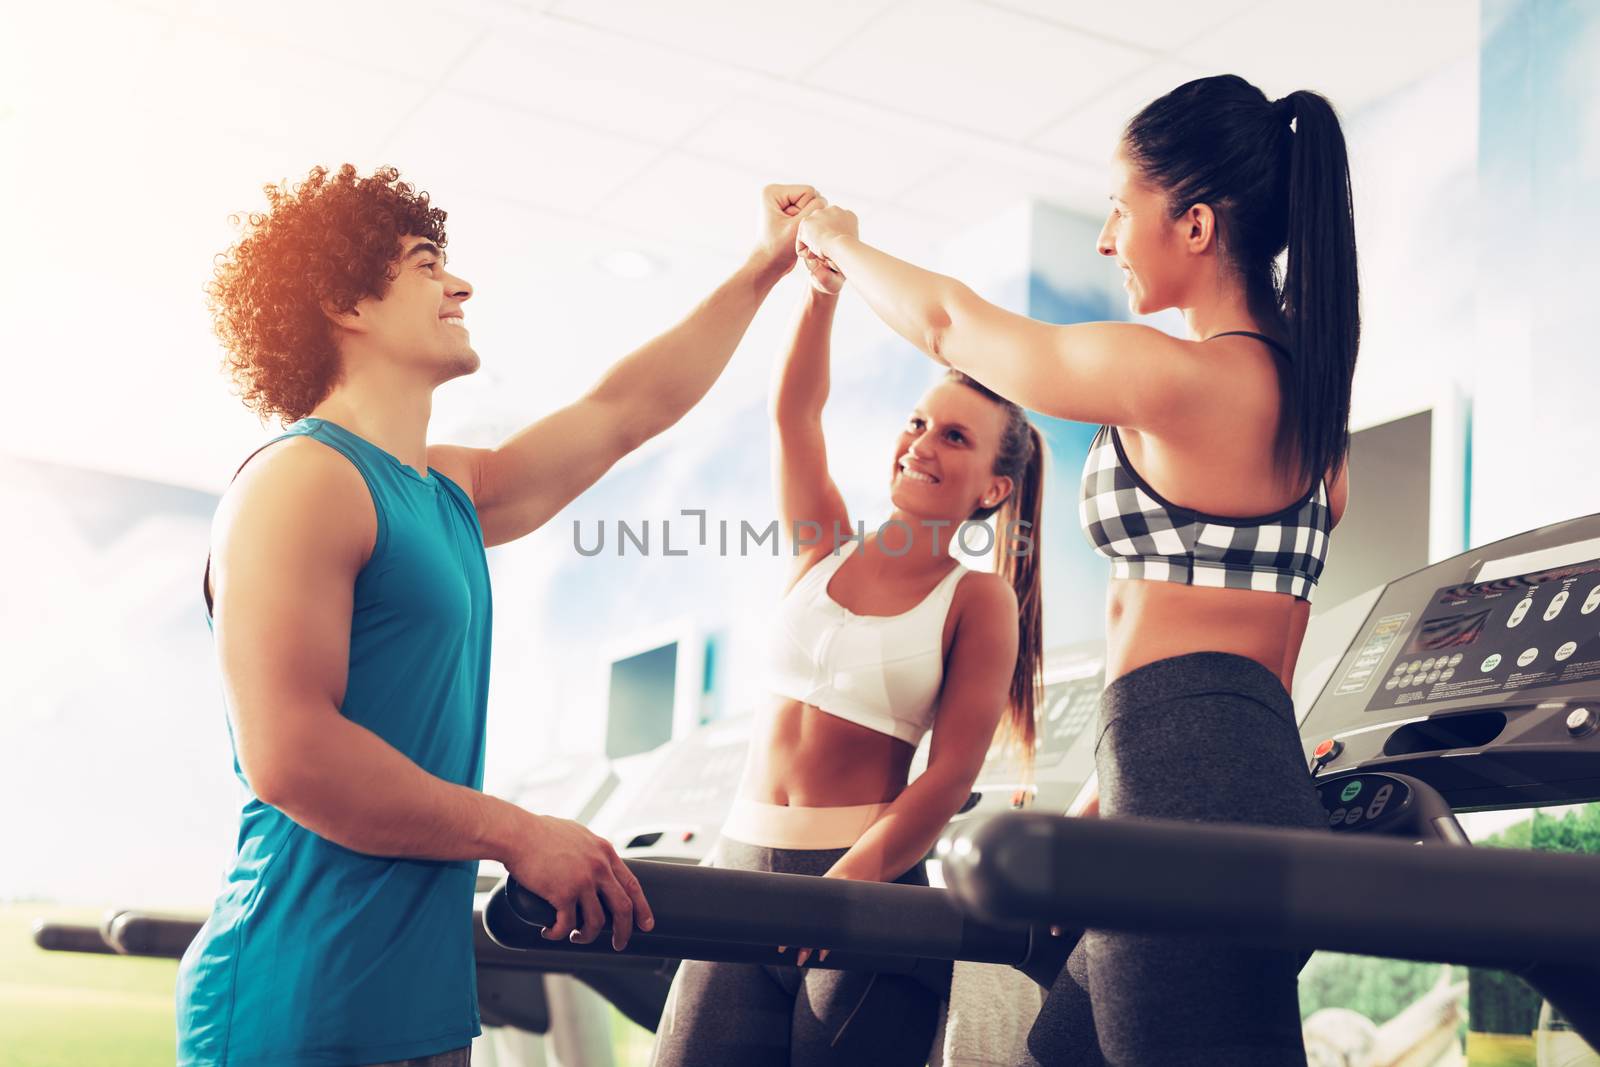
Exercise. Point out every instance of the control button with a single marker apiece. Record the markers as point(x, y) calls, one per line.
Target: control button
point(1582, 722)
point(1380, 801)
point(1353, 818)
point(688, 835)
point(1455, 660)
point(1337, 817)
point(1328, 749)
point(1592, 601)
point(1556, 605)
point(1527, 657)
point(1565, 652)
point(1427, 665)
point(1446, 675)
point(1391, 683)
point(1350, 791)
point(1490, 662)
point(1433, 676)
point(1519, 613)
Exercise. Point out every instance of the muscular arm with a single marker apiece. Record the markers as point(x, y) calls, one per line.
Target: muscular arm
point(976, 687)
point(518, 486)
point(1119, 373)
point(289, 539)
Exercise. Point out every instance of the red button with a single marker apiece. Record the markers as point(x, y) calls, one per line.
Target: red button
point(1325, 749)
point(688, 835)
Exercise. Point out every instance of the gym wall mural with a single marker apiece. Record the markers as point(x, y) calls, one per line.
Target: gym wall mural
point(120, 696)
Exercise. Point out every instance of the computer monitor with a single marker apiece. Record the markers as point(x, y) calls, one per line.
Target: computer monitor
point(654, 689)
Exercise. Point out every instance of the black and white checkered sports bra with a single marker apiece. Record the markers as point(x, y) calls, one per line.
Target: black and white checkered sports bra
point(1147, 537)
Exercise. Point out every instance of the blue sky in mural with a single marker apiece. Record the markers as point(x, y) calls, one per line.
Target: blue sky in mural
point(114, 762)
point(1074, 576)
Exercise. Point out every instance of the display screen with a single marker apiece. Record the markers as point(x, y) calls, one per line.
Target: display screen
point(1512, 633)
point(640, 701)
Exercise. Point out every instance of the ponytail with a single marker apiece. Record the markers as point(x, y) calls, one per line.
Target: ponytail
point(1020, 457)
point(1017, 560)
point(1276, 176)
point(1321, 295)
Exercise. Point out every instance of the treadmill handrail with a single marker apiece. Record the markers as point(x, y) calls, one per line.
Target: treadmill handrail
point(71, 937)
point(709, 904)
point(1304, 889)
point(135, 933)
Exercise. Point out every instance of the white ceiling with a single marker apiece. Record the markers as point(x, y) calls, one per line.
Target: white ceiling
point(555, 133)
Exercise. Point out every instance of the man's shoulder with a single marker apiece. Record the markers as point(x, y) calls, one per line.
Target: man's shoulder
point(295, 467)
point(294, 480)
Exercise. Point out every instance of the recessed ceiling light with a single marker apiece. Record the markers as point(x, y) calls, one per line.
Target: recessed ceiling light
point(629, 264)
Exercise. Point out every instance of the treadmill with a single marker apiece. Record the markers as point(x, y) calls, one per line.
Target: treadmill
point(1393, 763)
point(1470, 685)
point(674, 818)
point(671, 824)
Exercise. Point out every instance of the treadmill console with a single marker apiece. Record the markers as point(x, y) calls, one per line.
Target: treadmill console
point(677, 813)
point(1479, 674)
point(1074, 678)
point(1395, 805)
point(569, 790)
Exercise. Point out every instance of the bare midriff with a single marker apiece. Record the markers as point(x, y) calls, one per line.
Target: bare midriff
point(1148, 621)
point(803, 757)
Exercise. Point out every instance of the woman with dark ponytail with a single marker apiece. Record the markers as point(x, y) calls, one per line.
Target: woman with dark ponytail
point(1212, 487)
point(881, 637)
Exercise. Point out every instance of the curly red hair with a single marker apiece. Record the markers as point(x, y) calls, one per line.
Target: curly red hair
point(324, 243)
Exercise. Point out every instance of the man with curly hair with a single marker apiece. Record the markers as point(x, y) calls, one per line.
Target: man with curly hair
point(349, 598)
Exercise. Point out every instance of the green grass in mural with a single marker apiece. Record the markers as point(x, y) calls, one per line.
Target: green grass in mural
point(65, 1009)
point(61, 1009)
point(1500, 1050)
point(630, 1042)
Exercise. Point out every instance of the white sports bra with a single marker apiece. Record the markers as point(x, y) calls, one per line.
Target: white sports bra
point(878, 671)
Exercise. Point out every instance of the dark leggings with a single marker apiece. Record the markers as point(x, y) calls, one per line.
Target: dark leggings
point(1208, 737)
point(744, 1013)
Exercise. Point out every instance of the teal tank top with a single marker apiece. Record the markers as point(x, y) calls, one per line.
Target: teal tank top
point(317, 955)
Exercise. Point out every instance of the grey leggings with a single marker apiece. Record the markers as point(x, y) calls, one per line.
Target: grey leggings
point(744, 1013)
point(1209, 737)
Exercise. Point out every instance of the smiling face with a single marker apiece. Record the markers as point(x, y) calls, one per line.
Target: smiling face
point(944, 458)
point(420, 320)
point(1144, 239)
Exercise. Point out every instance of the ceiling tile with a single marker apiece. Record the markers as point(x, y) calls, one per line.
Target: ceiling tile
point(210, 80)
point(1152, 24)
point(841, 157)
point(1090, 133)
point(411, 38)
point(976, 67)
point(1352, 52)
point(779, 39)
point(682, 198)
point(468, 146)
point(978, 188)
point(593, 77)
